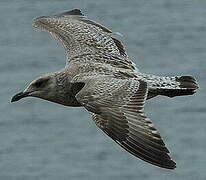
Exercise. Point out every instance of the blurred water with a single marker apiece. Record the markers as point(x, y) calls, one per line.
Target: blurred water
point(46, 141)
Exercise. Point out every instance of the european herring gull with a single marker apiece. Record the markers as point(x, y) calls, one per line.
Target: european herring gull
point(100, 76)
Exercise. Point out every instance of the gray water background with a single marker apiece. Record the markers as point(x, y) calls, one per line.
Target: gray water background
point(40, 140)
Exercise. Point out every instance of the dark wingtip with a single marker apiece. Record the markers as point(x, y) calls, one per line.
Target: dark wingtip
point(172, 165)
point(72, 12)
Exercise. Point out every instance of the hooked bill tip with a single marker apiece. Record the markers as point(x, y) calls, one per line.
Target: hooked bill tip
point(19, 96)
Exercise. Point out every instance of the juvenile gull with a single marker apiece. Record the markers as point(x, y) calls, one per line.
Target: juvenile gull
point(101, 77)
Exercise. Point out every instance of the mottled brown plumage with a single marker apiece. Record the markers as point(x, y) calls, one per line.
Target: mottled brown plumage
point(100, 76)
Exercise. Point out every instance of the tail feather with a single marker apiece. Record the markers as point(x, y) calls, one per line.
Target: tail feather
point(181, 86)
point(187, 82)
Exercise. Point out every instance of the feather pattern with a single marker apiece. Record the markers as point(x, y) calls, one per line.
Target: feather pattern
point(107, 83)
point(117, 107)
point(81, 36)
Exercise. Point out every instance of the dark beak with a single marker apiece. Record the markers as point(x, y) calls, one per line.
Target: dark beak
point(19, 96)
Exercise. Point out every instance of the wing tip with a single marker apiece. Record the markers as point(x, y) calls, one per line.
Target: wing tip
point(74, 12)
point(166, 163)
point(71, 12)
point(173, 165)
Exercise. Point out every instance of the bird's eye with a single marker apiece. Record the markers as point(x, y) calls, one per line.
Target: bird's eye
point(41, 82)
point(38, 84)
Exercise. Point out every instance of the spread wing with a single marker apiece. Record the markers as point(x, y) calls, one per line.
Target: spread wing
point(117, 107)
point(82, 37)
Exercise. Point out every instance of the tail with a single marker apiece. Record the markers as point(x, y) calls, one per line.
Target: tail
point(174, 86)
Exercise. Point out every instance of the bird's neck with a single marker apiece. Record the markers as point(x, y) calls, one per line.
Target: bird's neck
point(66, 91)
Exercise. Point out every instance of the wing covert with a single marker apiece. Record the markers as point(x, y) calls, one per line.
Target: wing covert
point(81, 36)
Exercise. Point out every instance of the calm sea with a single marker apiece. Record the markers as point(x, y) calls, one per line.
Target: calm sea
point(40, 140)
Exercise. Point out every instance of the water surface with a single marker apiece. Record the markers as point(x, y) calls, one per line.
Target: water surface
point(46, 141)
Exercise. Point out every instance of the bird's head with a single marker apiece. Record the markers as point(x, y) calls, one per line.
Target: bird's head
point(42, 87)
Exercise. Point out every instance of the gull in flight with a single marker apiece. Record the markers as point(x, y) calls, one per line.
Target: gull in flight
point(100, 76)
